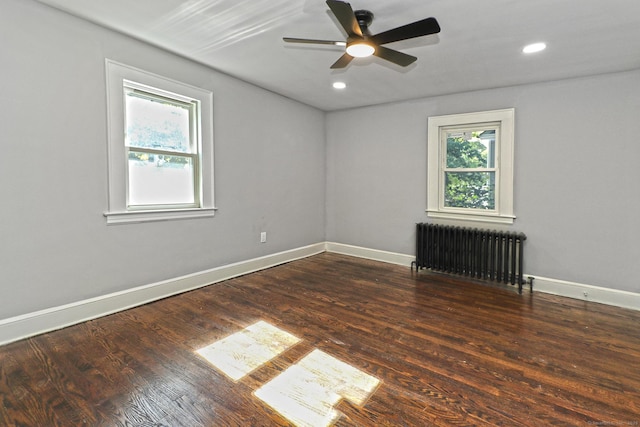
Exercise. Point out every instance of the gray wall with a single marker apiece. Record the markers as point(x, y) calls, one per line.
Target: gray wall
point(55, 246)
point(577, 174)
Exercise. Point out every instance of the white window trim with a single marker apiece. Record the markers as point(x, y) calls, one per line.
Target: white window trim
point(503, 213)
point(117, 212)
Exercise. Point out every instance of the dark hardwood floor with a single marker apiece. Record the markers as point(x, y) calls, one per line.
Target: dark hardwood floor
point(447, 352)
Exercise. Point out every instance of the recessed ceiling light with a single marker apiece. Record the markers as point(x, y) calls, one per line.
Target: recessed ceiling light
point(534, 47)
point(339, 85)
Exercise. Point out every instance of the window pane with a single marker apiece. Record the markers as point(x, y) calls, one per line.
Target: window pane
point(473, 190)
point(157, 123)
point(156, 179)
point(471, 149)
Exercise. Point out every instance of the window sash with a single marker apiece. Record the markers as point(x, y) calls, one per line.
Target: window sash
point(132, 88)
point(488, 195)
point(195, 181)
point(192, 106)
point(444, 169)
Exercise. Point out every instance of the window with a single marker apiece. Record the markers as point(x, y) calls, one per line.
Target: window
point(470, 162)
point(160, 147)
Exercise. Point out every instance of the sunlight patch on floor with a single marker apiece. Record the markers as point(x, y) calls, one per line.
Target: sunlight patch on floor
point(241, 353)
point(307, 392)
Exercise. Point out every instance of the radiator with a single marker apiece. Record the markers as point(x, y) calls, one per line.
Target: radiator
point(482, 254)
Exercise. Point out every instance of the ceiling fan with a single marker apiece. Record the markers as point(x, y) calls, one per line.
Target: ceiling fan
point(361, 43)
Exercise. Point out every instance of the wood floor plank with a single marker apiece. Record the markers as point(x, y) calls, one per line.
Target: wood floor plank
point(448, 351)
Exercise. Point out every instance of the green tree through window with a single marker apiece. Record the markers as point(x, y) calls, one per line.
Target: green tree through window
point(470, 169)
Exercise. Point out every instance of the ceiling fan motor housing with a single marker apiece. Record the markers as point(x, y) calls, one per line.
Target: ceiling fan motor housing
point(364, 18)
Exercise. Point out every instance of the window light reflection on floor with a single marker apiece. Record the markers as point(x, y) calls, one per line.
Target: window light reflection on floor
point(241, 353)
point(307, 392)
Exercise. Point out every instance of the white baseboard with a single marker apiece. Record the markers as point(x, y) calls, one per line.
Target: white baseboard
point(581, 291)
point(563, 288)
point(372, 254)
point(30, 324)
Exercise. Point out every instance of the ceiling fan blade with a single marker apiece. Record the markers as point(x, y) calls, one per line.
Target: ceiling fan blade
point(346, 17)
point(343, 61)
point(416, 29)
point(394, 56)
point(312, 41)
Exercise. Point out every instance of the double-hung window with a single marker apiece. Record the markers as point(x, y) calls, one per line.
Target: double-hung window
point(160, 147)
point(470, 174)
point(161, 144)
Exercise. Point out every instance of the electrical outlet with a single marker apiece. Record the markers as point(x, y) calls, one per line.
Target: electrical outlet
point(263, 237)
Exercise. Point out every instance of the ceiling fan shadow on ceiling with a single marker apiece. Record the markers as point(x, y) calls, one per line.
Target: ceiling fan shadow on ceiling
point(361, 43)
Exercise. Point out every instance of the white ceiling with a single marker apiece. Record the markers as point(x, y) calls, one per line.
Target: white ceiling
point(479, 46)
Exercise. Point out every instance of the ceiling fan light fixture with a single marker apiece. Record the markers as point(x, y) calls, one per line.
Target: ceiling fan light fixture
point(534, 47)
point(360, 49)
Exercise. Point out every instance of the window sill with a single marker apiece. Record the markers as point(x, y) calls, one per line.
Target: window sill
point(497, 219)
point(157, 215)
